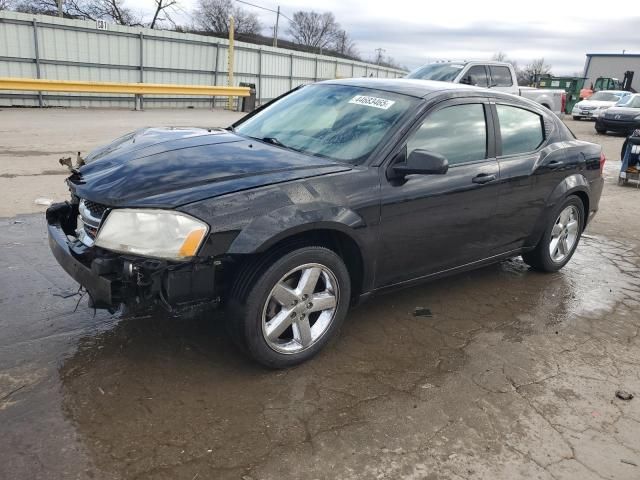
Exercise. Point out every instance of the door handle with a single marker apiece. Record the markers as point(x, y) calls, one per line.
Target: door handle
point(483, 178)
point(555, 164)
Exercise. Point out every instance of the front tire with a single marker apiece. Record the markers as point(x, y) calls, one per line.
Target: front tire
point(560, 238)
point(286, 307)
point(575, 117)
point(601, 131)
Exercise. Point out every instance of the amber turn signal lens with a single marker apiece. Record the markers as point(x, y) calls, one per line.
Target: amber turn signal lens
point(192, 242)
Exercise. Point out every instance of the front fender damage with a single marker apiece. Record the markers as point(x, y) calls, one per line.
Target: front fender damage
point(267, 230)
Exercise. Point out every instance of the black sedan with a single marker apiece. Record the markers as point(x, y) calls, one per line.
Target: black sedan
point(624, 117)
point(331, 193)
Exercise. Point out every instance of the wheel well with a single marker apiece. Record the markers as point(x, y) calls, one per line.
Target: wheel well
point(585, 203)
point(341, 243)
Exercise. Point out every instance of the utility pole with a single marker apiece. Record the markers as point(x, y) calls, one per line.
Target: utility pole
point(230, 62)
point(60, 8)
point(275, 30)
point(379, 56)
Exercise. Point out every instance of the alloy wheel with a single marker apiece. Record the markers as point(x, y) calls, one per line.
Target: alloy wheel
point(564, 234)
point(300, 308)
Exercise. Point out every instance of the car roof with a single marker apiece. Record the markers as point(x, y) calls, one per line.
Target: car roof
point(615, 92)
point(404, 86)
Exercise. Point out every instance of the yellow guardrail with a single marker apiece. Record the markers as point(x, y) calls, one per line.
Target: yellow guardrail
point(41, 85)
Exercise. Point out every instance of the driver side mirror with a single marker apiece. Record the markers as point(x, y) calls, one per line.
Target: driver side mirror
point(422, 162)
point(468, 80)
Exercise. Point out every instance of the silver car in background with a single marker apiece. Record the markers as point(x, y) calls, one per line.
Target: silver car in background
point(597, 103)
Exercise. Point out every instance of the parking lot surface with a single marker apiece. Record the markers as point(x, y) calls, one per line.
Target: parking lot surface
point(514, 374)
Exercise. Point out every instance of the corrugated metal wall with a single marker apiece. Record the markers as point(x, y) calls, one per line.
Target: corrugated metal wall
point(60, 49)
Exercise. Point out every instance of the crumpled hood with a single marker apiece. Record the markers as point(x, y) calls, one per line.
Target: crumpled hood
point(168, 167)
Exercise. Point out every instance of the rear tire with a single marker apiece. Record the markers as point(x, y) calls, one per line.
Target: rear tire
point(576, 118)
point(560, 238)
point(286, 307)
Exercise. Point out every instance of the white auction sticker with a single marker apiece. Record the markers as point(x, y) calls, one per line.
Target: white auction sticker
point(372, 102)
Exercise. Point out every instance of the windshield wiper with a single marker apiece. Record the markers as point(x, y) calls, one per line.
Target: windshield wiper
point(278, 143)
point(274, 141)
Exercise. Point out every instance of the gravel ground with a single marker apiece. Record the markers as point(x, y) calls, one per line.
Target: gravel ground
point(513, 376)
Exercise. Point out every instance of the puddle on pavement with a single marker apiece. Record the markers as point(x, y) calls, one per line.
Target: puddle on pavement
point(172, 395)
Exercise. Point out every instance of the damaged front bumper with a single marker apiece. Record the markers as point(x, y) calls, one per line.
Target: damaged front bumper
point(112, 279)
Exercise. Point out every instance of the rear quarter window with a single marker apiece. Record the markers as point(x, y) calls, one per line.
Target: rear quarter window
point(521, 130)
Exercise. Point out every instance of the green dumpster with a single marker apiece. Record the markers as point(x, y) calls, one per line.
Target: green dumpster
point(571, 85)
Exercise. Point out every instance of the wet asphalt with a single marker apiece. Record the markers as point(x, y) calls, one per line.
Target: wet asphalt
point(513, 375)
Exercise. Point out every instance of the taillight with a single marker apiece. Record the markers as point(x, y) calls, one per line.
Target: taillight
point(602, 160)
point(564, 103)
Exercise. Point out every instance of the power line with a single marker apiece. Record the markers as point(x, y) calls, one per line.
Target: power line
point(257, 6)
point(264, 8)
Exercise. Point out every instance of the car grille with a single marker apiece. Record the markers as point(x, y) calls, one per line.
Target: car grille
point(621, 117)
point(91, 215)
point(587, 108)
point(96, 209)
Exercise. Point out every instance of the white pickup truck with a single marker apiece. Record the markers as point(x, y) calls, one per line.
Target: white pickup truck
point(497, 75)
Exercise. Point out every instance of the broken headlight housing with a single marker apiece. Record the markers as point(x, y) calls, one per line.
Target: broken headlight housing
point(152, 233)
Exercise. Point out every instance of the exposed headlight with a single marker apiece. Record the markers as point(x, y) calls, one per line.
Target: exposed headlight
point(153, 233)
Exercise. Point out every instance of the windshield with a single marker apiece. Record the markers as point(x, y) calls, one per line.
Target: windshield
point(444, 72)
point(624, 100)
point(632, 101)
point(605, 97)
point(335, 121)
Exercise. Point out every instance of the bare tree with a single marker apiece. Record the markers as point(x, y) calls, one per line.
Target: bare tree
point(344, 44)
point(6, 4)
point(163, 7)
point(389, 62)
point(111, 10)
point(500, 57)
point(45, 7)
point(316, 30)
point(534, 70)
point(213, 16)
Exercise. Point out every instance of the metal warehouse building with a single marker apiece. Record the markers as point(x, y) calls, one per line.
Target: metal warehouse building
point(612, 65)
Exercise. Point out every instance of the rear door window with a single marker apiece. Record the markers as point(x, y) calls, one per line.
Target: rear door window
point(522, 130)
point(500, 76)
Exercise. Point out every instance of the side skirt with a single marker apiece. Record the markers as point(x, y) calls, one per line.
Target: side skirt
point(434, 276)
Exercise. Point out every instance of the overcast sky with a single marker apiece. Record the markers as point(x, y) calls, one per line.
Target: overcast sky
point(417, 32)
